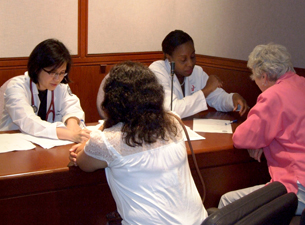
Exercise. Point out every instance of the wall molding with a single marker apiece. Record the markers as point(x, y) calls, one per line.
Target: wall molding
point(93, 68)
point(144, 57)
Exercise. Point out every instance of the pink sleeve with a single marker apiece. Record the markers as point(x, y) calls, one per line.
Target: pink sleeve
point(262, 125)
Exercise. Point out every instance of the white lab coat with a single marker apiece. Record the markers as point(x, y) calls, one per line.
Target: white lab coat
point(18, 113)
point(194, 100)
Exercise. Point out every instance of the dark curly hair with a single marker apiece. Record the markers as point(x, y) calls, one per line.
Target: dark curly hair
point(134, 97)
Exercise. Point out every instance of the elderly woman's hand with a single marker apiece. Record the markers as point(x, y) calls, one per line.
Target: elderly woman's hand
point(238, 100)
point(256, 153)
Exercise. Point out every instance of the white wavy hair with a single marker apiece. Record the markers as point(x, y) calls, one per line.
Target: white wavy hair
point(272, 59)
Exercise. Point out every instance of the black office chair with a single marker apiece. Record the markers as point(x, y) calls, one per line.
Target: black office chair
point(268, 205)
point(100, 97)
point(298, 220)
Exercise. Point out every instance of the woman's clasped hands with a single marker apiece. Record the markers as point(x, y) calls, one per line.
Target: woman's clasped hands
point(74, 150)
point(256, 153)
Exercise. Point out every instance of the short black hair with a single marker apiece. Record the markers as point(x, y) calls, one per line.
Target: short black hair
point(49, 53)
point(173, 40)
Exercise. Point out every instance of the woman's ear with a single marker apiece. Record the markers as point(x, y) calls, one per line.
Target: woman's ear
point(168, 57)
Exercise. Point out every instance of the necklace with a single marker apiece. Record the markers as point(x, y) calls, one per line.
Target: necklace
point(182, 82)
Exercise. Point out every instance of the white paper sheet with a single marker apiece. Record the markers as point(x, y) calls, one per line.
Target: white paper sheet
point(46, 142)
point(50, 143)
point(13, 142)
point(193, 135)
point(95, 127)
point(20, 141)
point(212, 126)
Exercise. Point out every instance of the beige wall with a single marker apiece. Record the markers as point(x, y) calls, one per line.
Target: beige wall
point(223, 28)
point(25, 23)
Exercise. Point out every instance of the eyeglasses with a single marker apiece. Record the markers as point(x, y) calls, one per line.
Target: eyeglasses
point(54, 74)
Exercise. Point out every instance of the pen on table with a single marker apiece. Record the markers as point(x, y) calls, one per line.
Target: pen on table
point(83, 123)
point(232, 121)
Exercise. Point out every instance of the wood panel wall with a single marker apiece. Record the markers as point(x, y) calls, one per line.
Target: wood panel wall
point(88, 72)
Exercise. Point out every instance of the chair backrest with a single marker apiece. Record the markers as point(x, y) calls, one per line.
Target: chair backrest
point(243, 207)
point(2, 91)
point(100, 97)
point(298, 219)
point(279, 211)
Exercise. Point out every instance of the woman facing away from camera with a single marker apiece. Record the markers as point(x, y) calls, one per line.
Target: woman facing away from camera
point(193, 89)
point(143, 150)
point(275, 126)
point(40, 102)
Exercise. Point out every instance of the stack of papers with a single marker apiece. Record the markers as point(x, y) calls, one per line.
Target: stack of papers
point(20, 141)
point(12, 142)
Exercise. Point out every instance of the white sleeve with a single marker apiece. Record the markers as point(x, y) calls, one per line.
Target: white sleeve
point(70, 106)
point(100, 97)
point(221, 100)
point(18, 106)
point(189, 105)
point(97, 148)
point(183, 106)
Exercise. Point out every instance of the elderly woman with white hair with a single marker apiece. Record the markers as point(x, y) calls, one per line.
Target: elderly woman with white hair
point(275, 126)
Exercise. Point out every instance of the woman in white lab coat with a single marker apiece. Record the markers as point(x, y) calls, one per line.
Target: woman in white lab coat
point(40, 102)
point(193, 89)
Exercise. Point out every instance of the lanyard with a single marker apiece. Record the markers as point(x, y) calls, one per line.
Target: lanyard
point(51, 107)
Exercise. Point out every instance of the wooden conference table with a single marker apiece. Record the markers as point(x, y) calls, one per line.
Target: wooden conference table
point(37, 186)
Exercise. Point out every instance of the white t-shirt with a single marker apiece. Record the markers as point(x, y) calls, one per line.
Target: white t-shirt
point(151, 184)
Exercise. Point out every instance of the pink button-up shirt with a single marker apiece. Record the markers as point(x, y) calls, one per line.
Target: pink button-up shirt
point(277, 124)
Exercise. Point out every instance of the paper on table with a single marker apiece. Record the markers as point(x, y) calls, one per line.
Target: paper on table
point(9, 143)
point(193, 135)
point(212, 126)
point(95, 127)
point(45, 142)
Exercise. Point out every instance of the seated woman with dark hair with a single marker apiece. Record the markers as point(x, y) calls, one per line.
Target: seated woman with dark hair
point(192, 90)
point(143, 150)
point(40, 102)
